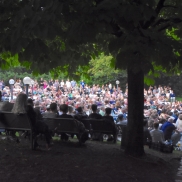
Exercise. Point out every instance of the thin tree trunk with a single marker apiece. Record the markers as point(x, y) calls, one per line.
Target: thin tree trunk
point(134, 136)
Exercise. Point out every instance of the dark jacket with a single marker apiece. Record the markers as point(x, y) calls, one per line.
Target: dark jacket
point(95, 116)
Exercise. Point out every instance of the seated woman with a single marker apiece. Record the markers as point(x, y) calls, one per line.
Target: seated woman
point(21, 107)
point(179, 124)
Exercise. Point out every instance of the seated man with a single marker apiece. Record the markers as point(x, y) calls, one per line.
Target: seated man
point(156, 134)
point(53, 112)
point(84, 137)
point(95, 115)
point(121, 120)
point(170, 131)
point(80, 115)
point(64, 109)
point(109, 118)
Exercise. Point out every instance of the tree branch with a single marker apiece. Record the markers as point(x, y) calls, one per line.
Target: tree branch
point(160, 5)
point(160, 21)
point(170, 23)
point(169, 6)
point(167, 20)
point(164, 27)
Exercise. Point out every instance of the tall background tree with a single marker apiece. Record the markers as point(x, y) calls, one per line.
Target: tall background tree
point(102, 72)
point(59, 33)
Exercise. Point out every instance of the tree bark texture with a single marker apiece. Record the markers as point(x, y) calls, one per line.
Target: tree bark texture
point(134, 135)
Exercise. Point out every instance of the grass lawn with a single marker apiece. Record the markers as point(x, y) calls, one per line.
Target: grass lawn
point(179, 98)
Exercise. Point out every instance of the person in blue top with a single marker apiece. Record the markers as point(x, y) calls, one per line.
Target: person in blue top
point(172, 96)
point(73, 83)
point(82, 83)
point(170, 131)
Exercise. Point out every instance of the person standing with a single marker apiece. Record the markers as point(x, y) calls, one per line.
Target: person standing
point(56, 85)
point(62, 84)
point(73, 83)
point(41, 83)
point(50, 83)
point(110, 86)
point(172, 96)
point(21, 84)
point(68, 84)
point(82, 84)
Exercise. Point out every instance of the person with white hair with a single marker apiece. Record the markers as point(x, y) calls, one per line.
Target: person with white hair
point(179, 123)
point(21, 106)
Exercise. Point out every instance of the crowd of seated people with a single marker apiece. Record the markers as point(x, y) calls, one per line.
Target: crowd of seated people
point(165, 125)
point(92, 101)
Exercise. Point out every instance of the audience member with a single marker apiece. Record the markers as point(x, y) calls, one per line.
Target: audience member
point(94, 114)
point(121, 120)
point(156, 134)
point(108, 118)
point(21, 107)
point(53, 112)
point(170, 131)
point(80, 114)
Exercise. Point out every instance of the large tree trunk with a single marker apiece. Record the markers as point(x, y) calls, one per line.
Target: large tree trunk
point(134, 136)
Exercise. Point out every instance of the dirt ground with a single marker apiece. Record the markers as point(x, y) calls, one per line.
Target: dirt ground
point(95, 161)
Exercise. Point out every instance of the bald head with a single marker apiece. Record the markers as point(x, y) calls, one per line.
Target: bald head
point(170, 120)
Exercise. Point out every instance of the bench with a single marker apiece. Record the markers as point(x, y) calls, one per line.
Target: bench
point(162, 147)
point(63, 125)
point(102, 126)
point(12, 122)
point(86, 123)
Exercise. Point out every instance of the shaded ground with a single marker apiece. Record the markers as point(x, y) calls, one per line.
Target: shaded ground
point(95, 161)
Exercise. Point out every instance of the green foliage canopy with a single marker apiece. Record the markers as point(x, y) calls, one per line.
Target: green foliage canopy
point(54, 33)
point(102, 71)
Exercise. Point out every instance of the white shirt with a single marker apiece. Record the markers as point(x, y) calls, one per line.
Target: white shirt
point(68, 84)
point(157, 135)
point(62, 84)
